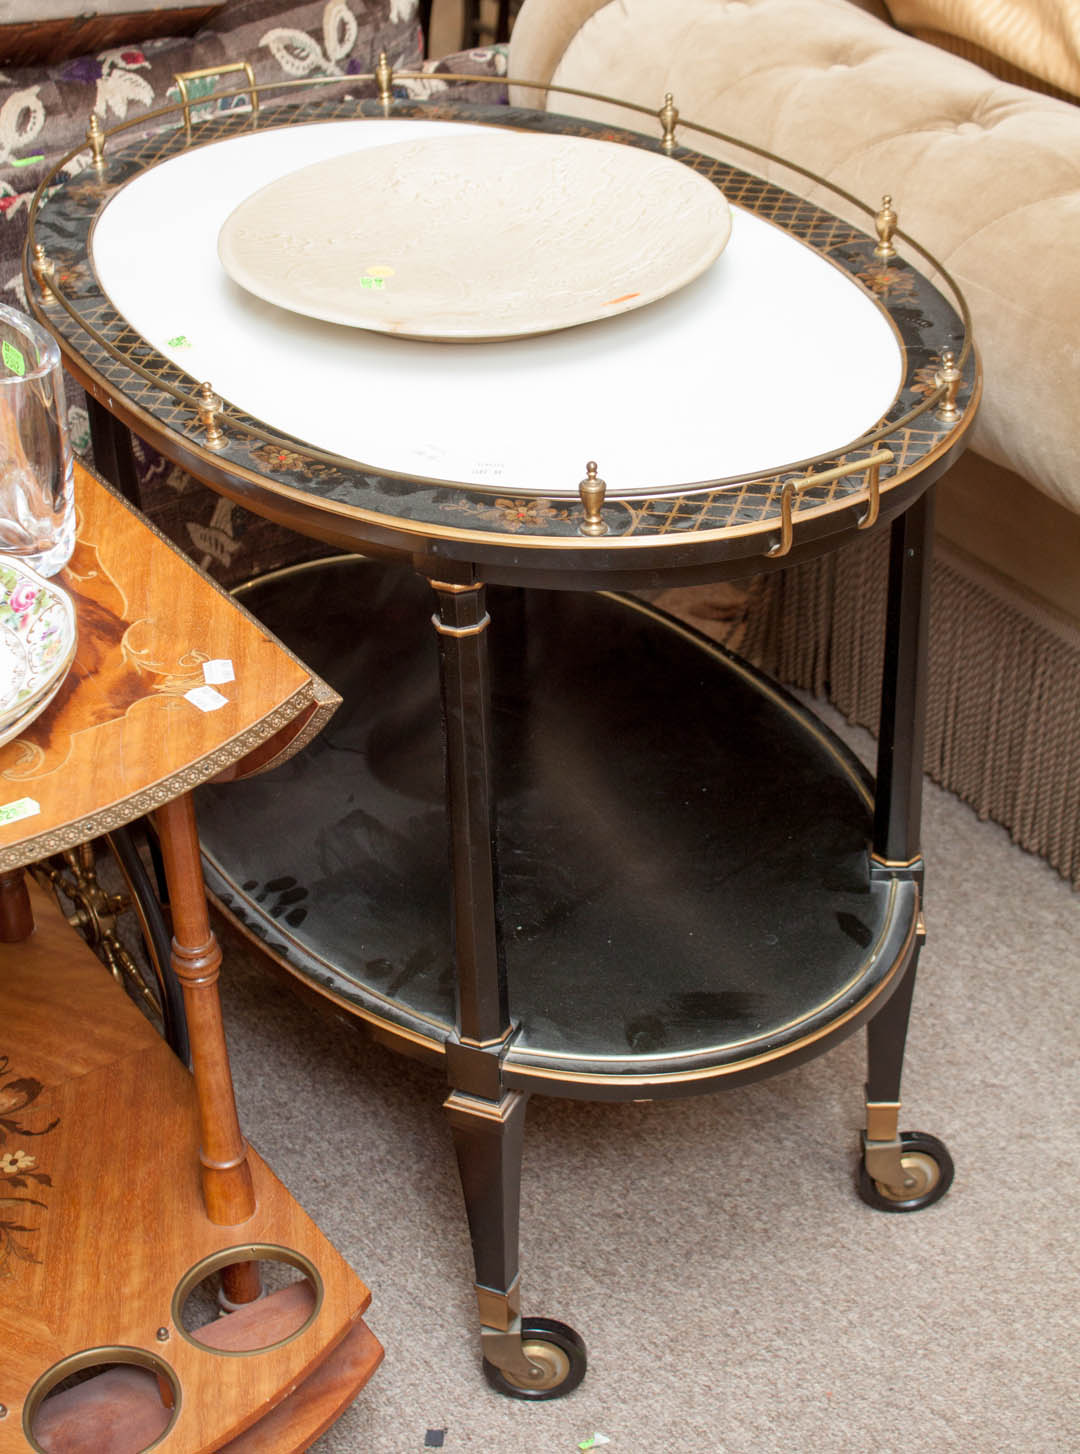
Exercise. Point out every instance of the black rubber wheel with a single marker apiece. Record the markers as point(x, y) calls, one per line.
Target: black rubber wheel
point(928, 1172)
point(557, 1349)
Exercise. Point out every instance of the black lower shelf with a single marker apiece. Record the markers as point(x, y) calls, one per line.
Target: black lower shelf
point(683, 851)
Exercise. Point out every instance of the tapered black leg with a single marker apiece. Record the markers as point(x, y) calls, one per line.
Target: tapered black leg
point(535, 1358)
point(886, 1036)
point(483, 1016)
point(901, 1171)
point(898, 801)
point(488, 1138)
point(487, 1124)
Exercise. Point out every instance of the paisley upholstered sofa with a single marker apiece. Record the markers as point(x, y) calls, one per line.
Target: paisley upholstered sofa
point(965, 112)
point(65, 61)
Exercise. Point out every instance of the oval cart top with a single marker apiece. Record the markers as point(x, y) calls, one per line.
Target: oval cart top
point(796, 345)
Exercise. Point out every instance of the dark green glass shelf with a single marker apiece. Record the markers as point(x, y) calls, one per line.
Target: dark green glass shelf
point(684, 874)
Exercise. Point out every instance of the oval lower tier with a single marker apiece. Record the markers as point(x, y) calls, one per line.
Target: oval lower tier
point(684, 881)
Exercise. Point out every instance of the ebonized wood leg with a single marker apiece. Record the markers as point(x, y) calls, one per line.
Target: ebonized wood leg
point(483, 1015)
point(902, 1171)
point(488, 1139)
point(898, 802)
point(487, 1124)
point(886, 1035)
point(113, 454)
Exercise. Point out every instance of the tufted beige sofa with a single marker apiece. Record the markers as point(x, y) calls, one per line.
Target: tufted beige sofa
point(985, 173)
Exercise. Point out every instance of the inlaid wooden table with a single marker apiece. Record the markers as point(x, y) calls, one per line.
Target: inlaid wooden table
point(664, 875)
point(125, 1183)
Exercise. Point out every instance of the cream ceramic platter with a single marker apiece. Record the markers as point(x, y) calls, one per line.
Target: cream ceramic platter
point(477, 236)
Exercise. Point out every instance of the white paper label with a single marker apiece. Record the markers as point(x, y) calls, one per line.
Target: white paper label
point(219, 671)
point(20, 808)
point(205, 698)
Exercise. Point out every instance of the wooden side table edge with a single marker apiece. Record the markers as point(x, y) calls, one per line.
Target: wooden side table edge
point(230, 755)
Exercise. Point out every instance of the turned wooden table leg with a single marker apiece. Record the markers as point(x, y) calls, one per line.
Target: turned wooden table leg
point(16, 913)
point(196, 957)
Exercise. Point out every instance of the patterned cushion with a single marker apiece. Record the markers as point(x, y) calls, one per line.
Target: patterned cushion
point(45, 110)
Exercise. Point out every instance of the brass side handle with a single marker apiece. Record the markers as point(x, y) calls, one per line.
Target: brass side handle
point(183, 77)
point(794, 488)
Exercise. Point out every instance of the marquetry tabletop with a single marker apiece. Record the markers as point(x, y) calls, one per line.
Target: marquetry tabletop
point(173, 684)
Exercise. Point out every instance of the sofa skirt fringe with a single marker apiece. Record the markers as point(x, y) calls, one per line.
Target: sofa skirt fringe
point(1003, 703)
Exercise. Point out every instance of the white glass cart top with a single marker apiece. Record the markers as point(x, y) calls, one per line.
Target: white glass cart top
point(771, 357)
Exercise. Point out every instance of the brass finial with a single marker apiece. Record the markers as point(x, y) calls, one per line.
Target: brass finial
point(207, 405)
point(950, 376)
point(669, 118)
point(885, 222)
point(592, 491)
point(96, 137)
point(43, 272)
point(384, 79)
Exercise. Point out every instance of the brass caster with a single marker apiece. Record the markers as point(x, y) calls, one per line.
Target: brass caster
point(925, 1174)
point(541, 1359)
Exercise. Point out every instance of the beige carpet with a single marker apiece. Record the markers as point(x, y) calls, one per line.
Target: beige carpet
point(734, 1293)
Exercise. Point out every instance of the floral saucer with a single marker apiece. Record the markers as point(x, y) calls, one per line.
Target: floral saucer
point(37, 643)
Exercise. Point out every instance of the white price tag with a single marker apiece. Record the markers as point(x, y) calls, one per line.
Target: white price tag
point(205, 698)
point(216, 672)
point(20, 808)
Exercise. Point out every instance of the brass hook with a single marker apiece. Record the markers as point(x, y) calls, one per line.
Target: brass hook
point(873, 491)
point(787, 528)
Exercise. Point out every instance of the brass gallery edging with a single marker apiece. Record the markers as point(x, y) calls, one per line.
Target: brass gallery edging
point(647, 524)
